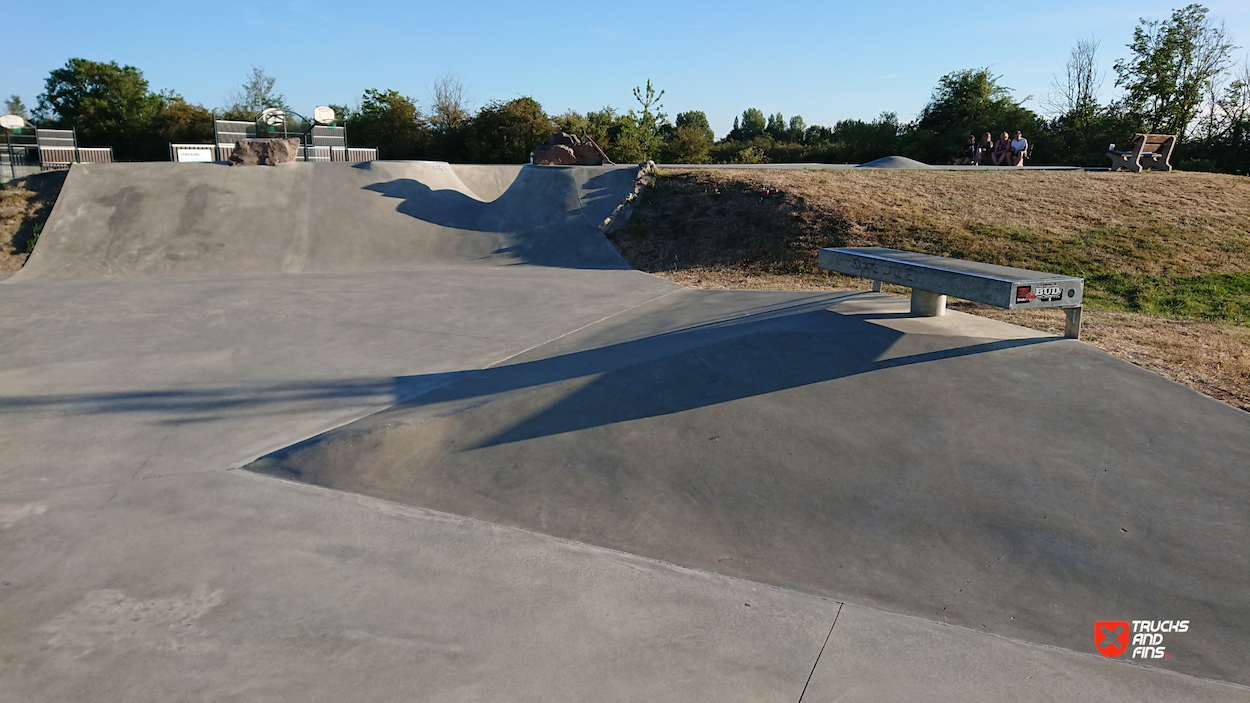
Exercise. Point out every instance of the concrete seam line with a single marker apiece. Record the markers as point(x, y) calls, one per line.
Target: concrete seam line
point(585, 326)
point(822, 651)
point(416, 512)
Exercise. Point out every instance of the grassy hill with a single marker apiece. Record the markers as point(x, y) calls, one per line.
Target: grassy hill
point(24, 208)
point(1166, 256)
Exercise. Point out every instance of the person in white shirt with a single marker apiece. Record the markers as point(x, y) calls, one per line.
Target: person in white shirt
point(1019, 146)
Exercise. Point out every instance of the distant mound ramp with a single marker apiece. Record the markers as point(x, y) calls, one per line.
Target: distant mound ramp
point(895, 162)
point(153, 220)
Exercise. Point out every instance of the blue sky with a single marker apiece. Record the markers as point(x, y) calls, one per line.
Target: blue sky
point(825, 61)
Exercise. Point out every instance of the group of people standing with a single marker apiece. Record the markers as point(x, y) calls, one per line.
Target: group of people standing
point(1004, 152)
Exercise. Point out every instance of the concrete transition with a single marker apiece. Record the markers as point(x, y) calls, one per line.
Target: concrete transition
point(486, 460)
point(264, 152)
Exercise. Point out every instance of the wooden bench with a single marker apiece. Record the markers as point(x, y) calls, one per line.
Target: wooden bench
point(1146, 151)
point(932, 278)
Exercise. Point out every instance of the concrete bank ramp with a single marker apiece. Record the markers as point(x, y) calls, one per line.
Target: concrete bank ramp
point(127, 221)
point(465, 340)
point(954, 469)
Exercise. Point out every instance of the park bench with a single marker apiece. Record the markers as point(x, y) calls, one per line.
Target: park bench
point(932, 278)
point(1146, 151)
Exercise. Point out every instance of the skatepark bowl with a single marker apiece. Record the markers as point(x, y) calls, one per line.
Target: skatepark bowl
point(410, 430)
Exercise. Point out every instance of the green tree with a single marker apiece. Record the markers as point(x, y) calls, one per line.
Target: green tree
point(15, 106)
point(690, 140)
point(798, 129)
point(392, 123)
point(643, 140)
point(180, 122)
point(1173, 63)
point(856, 141)
point(108, 105)
point(776, 127)
point(341, 113)
point(817, 134)
point(1223, 135)
point(256, 94)
point(506, 132)
point(752, 125)
point(696, 119)
point(967, 102)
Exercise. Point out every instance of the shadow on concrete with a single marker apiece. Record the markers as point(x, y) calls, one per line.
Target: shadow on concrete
point(711, 363)
point(1011, 486)
point(545, 223)
point(718, 361)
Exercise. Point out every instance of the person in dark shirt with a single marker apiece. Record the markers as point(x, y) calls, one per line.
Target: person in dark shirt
point(984, 147)
point(969, 154)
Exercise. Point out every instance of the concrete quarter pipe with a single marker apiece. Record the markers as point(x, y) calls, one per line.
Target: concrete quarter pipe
point(555, 477)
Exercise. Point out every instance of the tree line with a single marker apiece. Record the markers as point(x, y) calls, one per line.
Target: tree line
point(1177, 79)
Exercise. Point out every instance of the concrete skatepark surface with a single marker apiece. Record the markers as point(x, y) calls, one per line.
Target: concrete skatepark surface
point(523, 471)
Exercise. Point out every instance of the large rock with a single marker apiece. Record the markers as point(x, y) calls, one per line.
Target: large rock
point(264, 152)
point(556, 155)
point(565, 150)
point(588, 154)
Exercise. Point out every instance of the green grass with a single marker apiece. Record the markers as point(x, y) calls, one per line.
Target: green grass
point(1217, 297)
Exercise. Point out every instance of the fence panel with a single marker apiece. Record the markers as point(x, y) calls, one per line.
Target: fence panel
point(56, 156)
point(95, 155)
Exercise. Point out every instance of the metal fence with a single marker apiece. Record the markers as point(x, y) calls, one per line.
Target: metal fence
point(324, 144)
point(329, 136)
point(58, 148)
point(203, 153)
point(227, 132)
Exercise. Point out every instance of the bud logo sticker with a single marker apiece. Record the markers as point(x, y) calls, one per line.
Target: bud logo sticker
point(1041, 293)
point(1111, 637)
point(1048, 293)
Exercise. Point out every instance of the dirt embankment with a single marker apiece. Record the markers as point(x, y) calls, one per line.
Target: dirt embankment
point(1166, 256)
point(24, 208)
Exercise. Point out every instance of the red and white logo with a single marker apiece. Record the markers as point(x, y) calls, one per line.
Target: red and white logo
point(1111, 637)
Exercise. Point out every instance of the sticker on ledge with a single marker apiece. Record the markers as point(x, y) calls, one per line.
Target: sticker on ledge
point(1039, 294)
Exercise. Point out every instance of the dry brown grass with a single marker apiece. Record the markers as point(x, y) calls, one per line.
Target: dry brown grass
point(717, 229)
point(24, 207)
point(1151, 223)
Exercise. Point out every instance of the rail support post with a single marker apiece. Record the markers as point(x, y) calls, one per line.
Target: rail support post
point(927, 304)
point(1072, 325)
